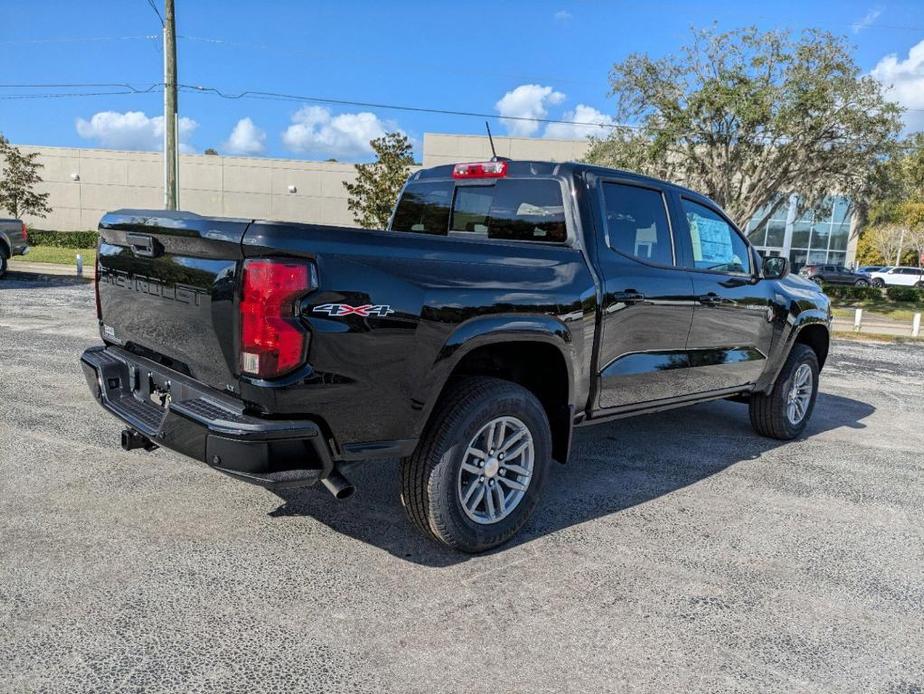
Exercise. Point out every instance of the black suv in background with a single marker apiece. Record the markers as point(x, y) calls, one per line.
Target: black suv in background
point(835, 274)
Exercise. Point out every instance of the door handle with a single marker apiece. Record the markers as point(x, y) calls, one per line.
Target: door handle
point(141, 244)
point(629, 296)
point(711, 299)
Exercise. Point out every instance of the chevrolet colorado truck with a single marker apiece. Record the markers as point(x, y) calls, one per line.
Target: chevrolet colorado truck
point(14, 240)
point(507, 303)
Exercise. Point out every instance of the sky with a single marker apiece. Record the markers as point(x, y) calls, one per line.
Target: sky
point(531, 58)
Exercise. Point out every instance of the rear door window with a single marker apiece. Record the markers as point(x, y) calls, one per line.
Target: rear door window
point(636, 223)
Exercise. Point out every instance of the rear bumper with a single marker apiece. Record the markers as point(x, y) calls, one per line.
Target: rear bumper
point(203, 425)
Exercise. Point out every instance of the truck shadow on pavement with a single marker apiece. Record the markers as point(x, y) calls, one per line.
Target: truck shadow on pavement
point(613, 467)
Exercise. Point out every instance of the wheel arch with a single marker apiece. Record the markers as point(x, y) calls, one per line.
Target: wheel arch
point(534, 352)
point(816, 336)
point(812, 328)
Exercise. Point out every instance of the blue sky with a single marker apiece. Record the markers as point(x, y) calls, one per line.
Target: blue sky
point(523, 58)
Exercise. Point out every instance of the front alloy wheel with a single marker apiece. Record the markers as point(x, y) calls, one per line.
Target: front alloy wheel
point(784, 412)
point(800, 394)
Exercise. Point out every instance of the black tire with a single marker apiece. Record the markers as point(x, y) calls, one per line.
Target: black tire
point(861, 283)
point(3, 262)
point(430, 478)
point(878, 282)
point(769, 412)
point(920, 285)
point(817, 280)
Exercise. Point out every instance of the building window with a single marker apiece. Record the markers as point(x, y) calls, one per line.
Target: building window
point(817, 235)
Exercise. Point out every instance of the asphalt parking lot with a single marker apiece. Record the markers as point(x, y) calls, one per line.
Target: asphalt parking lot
point(678, 552)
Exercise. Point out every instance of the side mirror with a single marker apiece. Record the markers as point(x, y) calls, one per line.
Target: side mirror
point(775, 268)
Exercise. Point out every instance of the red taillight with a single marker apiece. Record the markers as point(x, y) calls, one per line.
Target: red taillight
point(480, 169)
point(25, 232)
point(272, 341)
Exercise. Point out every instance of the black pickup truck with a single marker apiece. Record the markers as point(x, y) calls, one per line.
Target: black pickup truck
point(507, 303)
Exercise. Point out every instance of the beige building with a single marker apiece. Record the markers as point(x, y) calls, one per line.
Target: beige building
point(86, 183)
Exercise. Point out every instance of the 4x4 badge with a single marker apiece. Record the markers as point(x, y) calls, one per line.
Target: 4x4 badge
point(380, 310)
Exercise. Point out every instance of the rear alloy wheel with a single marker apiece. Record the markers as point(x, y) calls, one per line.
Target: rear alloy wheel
point(478, 470)
point(496, 470)
point(861, 283)
point(786, 410)
point(818, 281)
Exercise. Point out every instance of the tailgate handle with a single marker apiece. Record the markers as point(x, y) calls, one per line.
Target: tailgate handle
point(142, 244)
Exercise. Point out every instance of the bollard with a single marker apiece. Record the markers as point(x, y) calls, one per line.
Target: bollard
point(858, 320)
point(79, 266)
point(916, 325)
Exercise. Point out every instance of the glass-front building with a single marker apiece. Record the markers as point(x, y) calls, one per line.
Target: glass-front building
point(820, 235)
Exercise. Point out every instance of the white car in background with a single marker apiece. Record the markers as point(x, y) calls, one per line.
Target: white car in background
point(900, 276)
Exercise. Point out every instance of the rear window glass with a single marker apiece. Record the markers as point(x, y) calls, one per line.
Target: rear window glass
point(424, 208)
point(512, 209)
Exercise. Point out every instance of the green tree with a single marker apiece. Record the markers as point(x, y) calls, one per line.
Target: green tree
point(374, 192)
point(211, 151)
point(896, 215)
point(18, 179)
point(745, 115)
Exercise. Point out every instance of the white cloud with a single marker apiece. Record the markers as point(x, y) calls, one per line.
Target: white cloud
point(132, 130)
point(581, 114)
point(904, 83)
point(315, 131)
point(867, 20)
point(563, 16)
point(246, 138)
point(526, 101)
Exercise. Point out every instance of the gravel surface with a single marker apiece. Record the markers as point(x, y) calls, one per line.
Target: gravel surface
point(677, 552)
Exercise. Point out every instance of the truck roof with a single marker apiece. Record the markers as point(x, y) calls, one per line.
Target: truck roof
point(530, 167)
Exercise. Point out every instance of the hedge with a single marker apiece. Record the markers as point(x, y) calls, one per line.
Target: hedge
point(63, 239)
point(905, 294)
point(851, 293)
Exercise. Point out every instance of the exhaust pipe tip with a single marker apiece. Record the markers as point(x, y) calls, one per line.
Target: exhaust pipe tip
point(338, 485)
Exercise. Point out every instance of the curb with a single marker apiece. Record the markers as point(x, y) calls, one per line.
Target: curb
point(49, 269)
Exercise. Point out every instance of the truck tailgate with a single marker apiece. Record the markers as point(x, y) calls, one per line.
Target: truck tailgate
point(166, 290)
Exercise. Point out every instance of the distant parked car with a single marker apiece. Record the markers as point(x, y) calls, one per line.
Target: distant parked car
point(835, 274)
point(901, 276)
point(14, 240)
point(870, 269)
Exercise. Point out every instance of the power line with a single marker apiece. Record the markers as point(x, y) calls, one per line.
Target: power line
point(156, 11)
point(77, 39)
point(62, 96)
point(83, 85)
point(277, 96)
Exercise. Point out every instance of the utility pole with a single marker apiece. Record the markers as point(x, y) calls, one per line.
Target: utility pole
point(171, 160)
